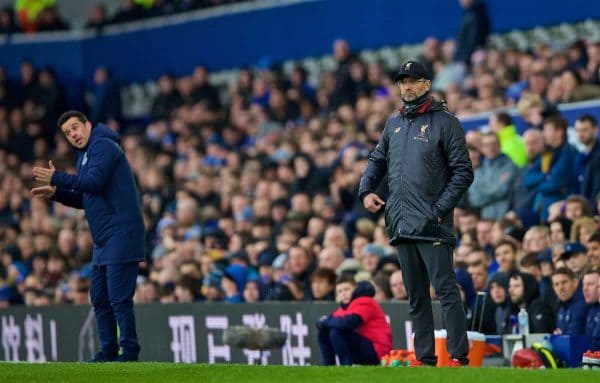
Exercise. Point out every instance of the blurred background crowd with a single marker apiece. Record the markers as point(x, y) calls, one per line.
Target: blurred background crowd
point(249, 192)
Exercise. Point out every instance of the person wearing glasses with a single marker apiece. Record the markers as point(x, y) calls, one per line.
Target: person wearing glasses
point(424, 153)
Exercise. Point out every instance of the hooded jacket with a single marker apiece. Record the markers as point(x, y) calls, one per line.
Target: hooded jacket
point(239, 275)
point(501, 309)
point(512, 145)
point(541, 315)
point(365, 316)
point(425, 156)
point(105, 188)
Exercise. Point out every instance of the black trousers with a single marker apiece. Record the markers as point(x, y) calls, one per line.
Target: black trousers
point(421, 263)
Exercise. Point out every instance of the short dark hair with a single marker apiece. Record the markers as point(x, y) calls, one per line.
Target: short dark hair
point(595, 237)
point(460, 265)
point(530, 259)
point(263, 221)
point(324, 273)
point(189, 283)
point(565, 271)
point(591, 270)
point(70, 114)
point(491, 134)
point(588, 118)
point(345, 278)
point(470, 212)
point(508, 242)
point(558, 122)
point(479, 264)
point(504, 118)
point(586, 209)
point(505, 223)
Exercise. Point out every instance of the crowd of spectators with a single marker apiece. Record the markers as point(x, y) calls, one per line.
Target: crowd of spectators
point(30, 16)
point(250, 193)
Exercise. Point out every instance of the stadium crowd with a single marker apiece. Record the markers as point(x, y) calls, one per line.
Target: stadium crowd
point(30, 16)
point(250, 193)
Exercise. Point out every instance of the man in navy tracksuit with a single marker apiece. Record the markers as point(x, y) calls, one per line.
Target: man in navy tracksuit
point(591, 289)
point(105, 187)
point(572, 310)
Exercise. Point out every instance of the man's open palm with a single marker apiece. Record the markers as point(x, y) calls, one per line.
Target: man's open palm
point(44, 174)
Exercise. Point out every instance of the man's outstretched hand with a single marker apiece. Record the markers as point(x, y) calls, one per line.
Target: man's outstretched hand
point(373, 203)
point(45, 191)
point(44, 174)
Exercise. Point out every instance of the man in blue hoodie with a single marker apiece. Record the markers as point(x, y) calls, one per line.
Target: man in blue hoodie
point(105, 188)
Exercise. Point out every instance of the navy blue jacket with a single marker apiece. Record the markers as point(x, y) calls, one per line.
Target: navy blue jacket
point(592, 325)
point(554, 185)
point(587, 166)
point(105, 187)
point(571, 315)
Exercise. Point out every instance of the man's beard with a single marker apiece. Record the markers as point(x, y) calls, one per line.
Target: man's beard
point(411, 97)
point(518, 302)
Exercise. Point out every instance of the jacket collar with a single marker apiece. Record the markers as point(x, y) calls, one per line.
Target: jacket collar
point(418, 106)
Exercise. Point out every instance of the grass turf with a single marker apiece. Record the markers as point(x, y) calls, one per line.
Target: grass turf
point(203, 373)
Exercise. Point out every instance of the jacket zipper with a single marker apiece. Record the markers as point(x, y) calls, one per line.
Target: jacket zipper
point(406, 135)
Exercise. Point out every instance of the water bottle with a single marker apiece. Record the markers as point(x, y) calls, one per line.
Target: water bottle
point(523, 322)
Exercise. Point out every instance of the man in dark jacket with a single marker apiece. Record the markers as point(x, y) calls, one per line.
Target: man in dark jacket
point(345, 88)
point(104, 186)
point(500, 303)
point(524, 293)
point(474, 29)
point(423, 150)
point(572, 310)
point(550, 178)
point(591, 294)
point(167, 99)
point(587, 161)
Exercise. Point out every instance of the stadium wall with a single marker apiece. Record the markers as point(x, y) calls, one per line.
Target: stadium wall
point(179, 333)
point(267, 30)
point(570, 112)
